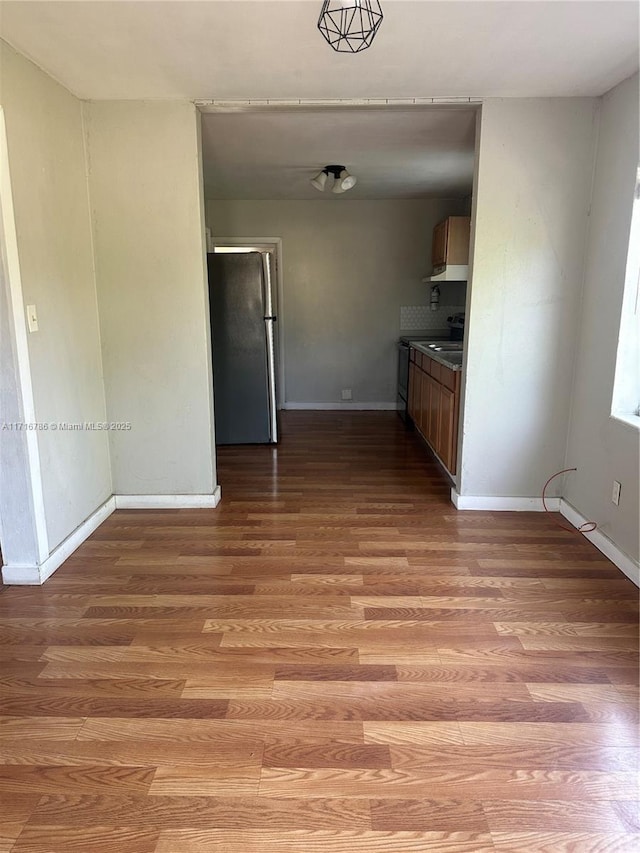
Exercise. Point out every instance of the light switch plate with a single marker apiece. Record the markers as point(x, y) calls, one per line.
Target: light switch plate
point(615, 493)
point(32, 318)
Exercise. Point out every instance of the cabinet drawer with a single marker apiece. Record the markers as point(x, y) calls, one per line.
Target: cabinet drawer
point(448, 377)
point(435, 369)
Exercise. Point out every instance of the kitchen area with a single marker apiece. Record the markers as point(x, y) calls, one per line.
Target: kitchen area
point(382, 308)
point(371, 278)
point(430, 360)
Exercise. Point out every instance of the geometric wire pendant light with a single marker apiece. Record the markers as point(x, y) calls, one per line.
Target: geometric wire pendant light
point(350, 25)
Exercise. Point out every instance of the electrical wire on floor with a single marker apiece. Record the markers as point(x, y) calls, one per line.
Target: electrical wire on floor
point(587, 527)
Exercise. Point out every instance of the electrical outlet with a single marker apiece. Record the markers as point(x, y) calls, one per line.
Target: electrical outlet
point(346, 393)
point(615, 494)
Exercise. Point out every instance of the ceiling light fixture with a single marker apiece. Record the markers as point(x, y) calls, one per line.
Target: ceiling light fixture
point(320, 180)
point(342, 180)
point(350, 25)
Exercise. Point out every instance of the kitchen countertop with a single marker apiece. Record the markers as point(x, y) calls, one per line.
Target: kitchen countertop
point(452, 360)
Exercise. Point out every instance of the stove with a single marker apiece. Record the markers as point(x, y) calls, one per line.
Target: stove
point(456, 324)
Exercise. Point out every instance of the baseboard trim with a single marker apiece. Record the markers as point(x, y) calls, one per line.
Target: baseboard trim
point(490, 503)
point(37, 575)
point(627, 565)
point(347, 405)
point(606, 546)
point(169, 501)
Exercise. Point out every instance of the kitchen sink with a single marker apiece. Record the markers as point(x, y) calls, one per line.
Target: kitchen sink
point(452, 357)
point(447, 346)
point(440, 352)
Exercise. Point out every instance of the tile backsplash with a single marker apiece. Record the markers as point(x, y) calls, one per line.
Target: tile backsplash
point(422, 317)
point(414, 316)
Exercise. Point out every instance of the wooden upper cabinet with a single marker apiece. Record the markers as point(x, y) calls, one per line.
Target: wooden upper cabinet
point(451, 242)
point(439, 245)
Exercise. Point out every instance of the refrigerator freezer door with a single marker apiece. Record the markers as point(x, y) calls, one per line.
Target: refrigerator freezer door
point(241, 380)
point(271, 333)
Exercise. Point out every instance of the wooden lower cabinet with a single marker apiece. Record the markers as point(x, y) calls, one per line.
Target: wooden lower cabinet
point(432, 427)
point(425, 396)
point(447, 428)
point(412, 391)
point(413, 401)
point(433, 407)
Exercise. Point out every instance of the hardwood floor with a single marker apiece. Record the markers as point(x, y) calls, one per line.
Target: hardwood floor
point(332, 661)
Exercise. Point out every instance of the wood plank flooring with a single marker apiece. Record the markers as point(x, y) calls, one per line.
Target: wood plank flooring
point(332, 661)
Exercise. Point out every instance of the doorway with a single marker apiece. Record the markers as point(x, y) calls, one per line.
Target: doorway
point(24, 542)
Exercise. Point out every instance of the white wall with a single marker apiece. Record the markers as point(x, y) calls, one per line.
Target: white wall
point(145, 190)
point(51, 206)
point(601, 448)
point(348, 267)
point(534, 175)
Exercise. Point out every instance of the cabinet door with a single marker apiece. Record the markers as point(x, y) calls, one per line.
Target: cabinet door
point(447, 428)
point(458, 236)
point(439, 245)
point(413, 393)
point(430, 423)
point(424, 403)
point(448, 377)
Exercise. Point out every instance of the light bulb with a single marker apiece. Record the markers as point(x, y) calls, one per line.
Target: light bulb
point(348, 181)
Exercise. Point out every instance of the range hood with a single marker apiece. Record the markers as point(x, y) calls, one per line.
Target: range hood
point(451, 272)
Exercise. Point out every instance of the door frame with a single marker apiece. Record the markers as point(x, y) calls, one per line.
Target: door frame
point(273, 245)
point(21, 496)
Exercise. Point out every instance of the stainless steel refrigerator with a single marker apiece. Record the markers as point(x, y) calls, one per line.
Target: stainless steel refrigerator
point(243, 346)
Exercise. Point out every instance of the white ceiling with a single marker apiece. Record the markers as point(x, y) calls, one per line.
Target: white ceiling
point(395, 153)
point(242, 49)
point(271, 49)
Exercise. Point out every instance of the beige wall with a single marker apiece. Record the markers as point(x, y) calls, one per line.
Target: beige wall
point(348, 267)
point(48, 176)
point(534, 172)
point(148, 236)
point(604, 449)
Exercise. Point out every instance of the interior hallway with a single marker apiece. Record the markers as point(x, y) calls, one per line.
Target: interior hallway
point(333, 660)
